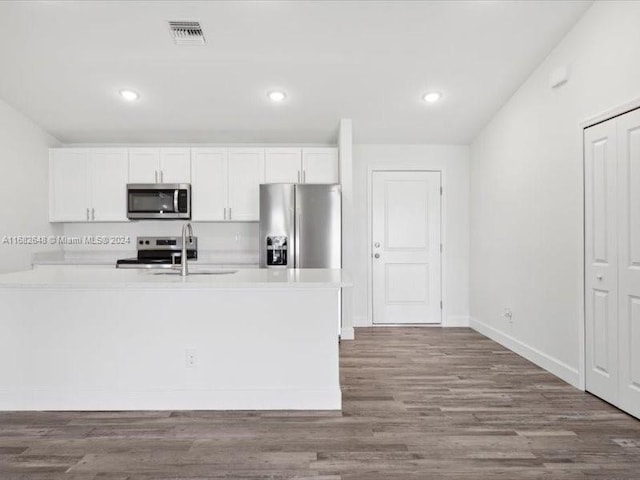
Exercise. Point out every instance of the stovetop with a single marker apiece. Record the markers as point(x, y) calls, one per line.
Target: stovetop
point(157, 252)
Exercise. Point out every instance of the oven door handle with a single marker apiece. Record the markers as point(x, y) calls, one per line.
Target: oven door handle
point(175, 201)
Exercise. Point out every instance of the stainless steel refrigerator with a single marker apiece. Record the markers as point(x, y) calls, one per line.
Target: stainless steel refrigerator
point(300, 226)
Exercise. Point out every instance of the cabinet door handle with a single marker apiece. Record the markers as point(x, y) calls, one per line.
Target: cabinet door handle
point(229, 213)
point(87, 213)
point(156, 172)
point(304, 176)
point(224, 210)
point(93, 214)
point(161, 176)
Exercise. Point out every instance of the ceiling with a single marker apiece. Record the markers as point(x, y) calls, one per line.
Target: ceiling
point(64, 62)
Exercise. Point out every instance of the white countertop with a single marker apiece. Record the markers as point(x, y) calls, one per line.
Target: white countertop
point(100, 277)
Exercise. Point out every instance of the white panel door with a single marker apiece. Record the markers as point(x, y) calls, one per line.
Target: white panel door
point(406, 248)
point(320, 165)
point(282, 165)
point(175, 165)
point(629, 261)
point(245, 173)
point(601, 295)
point(68, 189)
point(108, 173)
point(208, 184)
point(144, 165)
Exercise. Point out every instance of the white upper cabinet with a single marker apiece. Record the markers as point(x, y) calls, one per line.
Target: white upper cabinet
point(144, 164)
point(245, 174)
point(209, 184)
point(225, 183)
point(320, 165)
point(108, 173)
point(175, 165)
point(302, 165)
point(283, 165)
point(88, 185)
point(159, 165)
point(68, 189)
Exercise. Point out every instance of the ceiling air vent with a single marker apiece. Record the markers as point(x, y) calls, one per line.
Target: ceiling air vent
point(187, 33)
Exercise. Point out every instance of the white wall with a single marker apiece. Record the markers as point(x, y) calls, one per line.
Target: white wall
point(453, 161)
point(24, 195)
point(526, 190)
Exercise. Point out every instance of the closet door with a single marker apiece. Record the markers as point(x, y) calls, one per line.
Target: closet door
point(629, 261)
point(601, 296)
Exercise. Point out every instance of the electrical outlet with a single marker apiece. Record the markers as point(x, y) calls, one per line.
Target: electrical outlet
point(191, 357)
point(508, 314)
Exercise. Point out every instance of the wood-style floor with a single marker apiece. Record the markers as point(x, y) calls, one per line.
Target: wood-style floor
point(419, 403)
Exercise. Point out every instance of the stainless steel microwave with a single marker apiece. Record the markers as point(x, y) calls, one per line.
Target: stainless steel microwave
point(158, 201)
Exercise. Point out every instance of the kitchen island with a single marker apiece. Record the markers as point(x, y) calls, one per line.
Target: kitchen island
point(107, 339)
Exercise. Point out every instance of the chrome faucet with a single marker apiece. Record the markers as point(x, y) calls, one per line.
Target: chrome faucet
point(184, 268)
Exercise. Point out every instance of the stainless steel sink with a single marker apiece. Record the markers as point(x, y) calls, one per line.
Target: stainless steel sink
point(194, 272)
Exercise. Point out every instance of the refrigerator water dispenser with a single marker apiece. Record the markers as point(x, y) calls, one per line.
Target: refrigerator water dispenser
point(277, 251)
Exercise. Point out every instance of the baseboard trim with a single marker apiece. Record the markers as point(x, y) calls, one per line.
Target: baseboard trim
point(456, 321)
point(541, 359)
point(29, 399)
point(347, 333)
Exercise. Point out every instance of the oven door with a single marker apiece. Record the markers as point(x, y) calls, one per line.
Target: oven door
point(158, 201)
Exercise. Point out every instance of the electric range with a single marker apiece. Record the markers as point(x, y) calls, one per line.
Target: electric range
point(159, 252)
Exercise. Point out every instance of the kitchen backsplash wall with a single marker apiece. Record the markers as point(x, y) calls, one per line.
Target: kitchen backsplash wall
point(240, 237)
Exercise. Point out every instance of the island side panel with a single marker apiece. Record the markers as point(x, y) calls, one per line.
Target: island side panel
point(138, 349)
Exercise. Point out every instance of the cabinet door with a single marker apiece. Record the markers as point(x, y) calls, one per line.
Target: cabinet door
point(208, 184)
point(68, 200)
point(246, 173)
point(175, 165)
point(144, 165)
point(320, 165)
point(282, 165)
point(108, 173)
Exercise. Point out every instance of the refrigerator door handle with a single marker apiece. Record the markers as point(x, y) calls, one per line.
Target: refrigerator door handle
point(296, 234)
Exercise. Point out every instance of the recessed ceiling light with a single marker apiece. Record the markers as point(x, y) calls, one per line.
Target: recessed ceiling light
point(432, 97)
point(129, 95)
point(277, 96)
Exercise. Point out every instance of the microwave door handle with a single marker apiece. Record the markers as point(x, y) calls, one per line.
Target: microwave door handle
point(175, 201)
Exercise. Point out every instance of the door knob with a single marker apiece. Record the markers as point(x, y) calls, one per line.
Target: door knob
point(599, 277)
point(377, 255)
point(377, 244)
